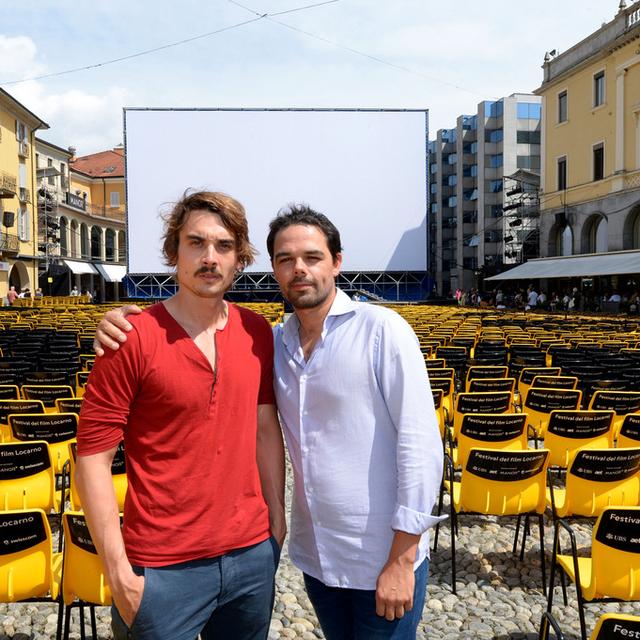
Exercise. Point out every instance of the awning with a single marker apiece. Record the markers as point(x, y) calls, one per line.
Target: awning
point(580, 266)
point(111, 272)
point(80, 268)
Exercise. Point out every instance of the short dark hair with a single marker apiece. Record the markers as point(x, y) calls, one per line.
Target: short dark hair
point(230, 211)
point(303, 214)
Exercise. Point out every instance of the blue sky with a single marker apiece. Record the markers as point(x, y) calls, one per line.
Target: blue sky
point(451, 56)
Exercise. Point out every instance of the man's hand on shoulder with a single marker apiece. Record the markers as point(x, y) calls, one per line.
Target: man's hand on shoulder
point(112, 329)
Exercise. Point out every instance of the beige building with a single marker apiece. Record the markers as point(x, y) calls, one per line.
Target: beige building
point(19, 255)
point(81, 204)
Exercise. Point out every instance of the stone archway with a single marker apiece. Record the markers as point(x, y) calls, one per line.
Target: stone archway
point(631, 234)
point(594, 236)
point(19, 276)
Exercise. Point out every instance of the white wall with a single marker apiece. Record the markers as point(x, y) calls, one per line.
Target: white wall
point(365, 170)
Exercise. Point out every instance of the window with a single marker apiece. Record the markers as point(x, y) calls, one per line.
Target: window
point(563, 104)
point(528, 137)
point(493, 135)
point(598, 162)
point(452, 202)
point(23, 225)
point(452, 180)
point(434, 167)
point(495, 186)
point(114, 199)
point(565, 242)
point(452, 158)
point(434, 187)
point(562, 173)
point(495, 161)
point(598, 89)
point(529, 111)
point(22, 133)
point(50, 179)
point(493, 109)
point(528, 162)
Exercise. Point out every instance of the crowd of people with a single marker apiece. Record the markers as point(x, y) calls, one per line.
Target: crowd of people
point(534, 298)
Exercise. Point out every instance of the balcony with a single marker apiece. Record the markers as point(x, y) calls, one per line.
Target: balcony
point(9, 243)
point(23, 149)
point(8, 185)
point(25, 195)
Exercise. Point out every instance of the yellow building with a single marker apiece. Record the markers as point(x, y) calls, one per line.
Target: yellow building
point(18, 186)
point(590, 188)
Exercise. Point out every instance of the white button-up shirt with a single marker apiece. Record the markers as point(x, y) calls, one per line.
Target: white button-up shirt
point(361, 429)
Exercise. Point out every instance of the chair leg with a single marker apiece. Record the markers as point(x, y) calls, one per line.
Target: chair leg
point(60, 618)
point(453, 519)
point(94, 627)
point(67, 623)
point(515, 538)
point(83, 635)
point(542, 558)
point(440, 503)
point(583, 625)
point(563, 582)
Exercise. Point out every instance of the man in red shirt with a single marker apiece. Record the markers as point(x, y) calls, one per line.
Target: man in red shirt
point(12, 295)
point(191, 393)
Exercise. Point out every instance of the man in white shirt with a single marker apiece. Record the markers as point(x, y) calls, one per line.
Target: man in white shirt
point(532, 298)
point(358, 416)
point(361, 429)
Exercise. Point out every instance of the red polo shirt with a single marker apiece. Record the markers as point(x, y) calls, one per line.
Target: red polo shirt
point(190, 435)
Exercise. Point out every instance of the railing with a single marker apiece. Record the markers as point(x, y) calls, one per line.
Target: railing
point(633, 18)
point(9, 242)
point(8, 182)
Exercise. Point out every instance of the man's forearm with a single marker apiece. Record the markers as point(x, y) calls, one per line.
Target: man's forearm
point(97, 495)
point(270, 460)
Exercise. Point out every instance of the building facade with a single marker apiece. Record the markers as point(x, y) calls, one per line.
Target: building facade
point(82, 217)
point(483, 191)
point(590, 188)
point(19, 255)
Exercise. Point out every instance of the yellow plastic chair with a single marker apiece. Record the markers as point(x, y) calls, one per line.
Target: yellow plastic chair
point(487, 402)
point(482, 385)
point(8, 407)
point(56, 429)
point(478, 371)
point(629, 435)
point(446, 385)
point(68, 405)
point(610, 626)
point(612, 571)
point(503, 431)
point(622, 402)
point(529, 373)
point(498, 483)
point(29, 569)
point(9, 392)
point(83, 577)
point(597, 479)
point(81, 383)
point(438, 397)
point(47, 394)
point(539, 403)
point(555, 382)
point(570, 431)
point(27, 479)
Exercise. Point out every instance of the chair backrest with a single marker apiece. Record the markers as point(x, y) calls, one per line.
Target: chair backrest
point(599, 478)
point(438, 403)
point(46, 378)
point(57, 429)
point(616, 626)
point(69, 405)
point(83, 574)
point(485, 371)
point(539, 403)
point(569, 431)
point(629, 435)
point(491, 384)
point(27, 479)
point(529, 373)
point(555, 382)
point(442, 372)
point(26, 556)
point(46, 393)
point(505, 431)
point(504, 482)
point(9, 392)
point(615, 554)
point(622, 402)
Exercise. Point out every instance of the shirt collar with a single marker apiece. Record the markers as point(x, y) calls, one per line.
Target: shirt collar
point(341, 305)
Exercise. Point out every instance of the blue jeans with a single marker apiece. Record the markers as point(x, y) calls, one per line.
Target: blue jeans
point(350, 614)
point(230, 596)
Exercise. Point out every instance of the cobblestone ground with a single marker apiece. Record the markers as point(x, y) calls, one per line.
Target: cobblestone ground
point(498, 596)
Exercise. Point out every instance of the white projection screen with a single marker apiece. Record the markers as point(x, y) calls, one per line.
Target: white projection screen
point(364, 169)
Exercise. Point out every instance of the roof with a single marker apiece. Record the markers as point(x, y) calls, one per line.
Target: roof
point(579, 266)
point(23, 111)
point(53, 146)
point(105, 164)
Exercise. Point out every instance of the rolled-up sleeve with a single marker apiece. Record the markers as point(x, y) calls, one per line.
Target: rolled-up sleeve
point(405, 386)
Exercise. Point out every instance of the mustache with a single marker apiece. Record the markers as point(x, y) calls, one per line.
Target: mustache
point(211, 270)
point(300, 281)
